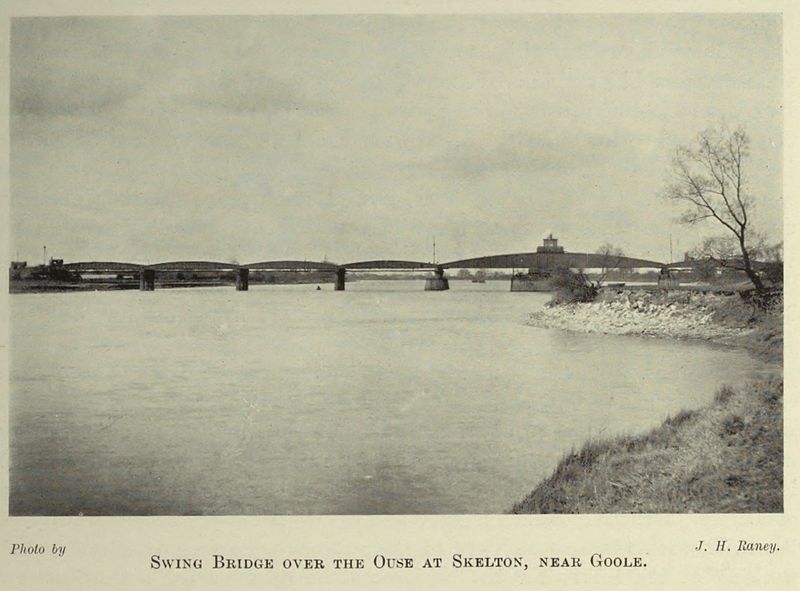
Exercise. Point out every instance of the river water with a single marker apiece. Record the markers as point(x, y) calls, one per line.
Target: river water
point(287, 400)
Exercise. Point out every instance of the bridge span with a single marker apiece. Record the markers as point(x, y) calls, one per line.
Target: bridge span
point(552, 260)
point(548, 257)
point(147, 273)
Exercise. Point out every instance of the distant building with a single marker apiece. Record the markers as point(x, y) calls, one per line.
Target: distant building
point(55, 271)
point(550, 245)
point(538, 278)
point(16, 269)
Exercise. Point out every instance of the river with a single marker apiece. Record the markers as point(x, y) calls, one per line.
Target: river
point(287, 400)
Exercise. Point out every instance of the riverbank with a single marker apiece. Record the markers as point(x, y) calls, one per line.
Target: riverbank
point(720, 319)
point(725, 457)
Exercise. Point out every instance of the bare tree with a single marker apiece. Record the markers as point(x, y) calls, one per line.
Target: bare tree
point(612, 255)
point(709, 179)
point(719, 249)
point(724, 250)
point(713, 253)
point(610, 250)
point(464, 274)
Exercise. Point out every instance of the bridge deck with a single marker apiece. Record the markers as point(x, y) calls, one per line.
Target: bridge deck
point(102, 267)
point(522, 260)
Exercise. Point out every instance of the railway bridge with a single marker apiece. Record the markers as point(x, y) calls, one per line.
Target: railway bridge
point(548, 257)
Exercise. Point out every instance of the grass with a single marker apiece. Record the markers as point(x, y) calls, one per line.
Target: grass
point(726, 457)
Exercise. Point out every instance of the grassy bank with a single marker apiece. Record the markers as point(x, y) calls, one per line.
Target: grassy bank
point(726, 457)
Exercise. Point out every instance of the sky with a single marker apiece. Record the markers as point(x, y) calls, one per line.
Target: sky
point(150, 139)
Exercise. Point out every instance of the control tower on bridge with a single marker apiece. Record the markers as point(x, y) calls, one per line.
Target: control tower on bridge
point(538, 278)
point(550, 245)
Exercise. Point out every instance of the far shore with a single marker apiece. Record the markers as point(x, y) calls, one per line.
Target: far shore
point(724, 457)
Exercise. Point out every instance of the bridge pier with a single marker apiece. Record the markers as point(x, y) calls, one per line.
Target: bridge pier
point(147, 280)
point(340, 273)
point(438, 282)
point(242, 279)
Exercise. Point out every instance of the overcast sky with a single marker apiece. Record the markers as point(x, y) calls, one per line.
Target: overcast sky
point(262, 138)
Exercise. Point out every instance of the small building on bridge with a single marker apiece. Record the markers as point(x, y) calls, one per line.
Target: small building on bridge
point(550, 245)
point(538, 278)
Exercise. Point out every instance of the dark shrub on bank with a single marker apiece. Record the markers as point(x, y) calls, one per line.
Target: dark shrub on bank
point(724, 394)
point(773, 272)
point(769, 299)
point(571, 287)
point(732, 425)
point(680, 418)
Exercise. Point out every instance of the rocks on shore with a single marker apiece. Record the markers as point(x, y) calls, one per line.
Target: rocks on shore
point(665, 314)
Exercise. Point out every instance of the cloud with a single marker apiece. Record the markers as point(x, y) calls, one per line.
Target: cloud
point(62, 66)
point(522, 152)
point(244, 92)
point(48, 95)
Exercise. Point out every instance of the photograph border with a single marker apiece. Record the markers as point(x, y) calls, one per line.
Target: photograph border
point(115, 552)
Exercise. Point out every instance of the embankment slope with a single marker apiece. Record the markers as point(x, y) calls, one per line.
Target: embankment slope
point(726, 457)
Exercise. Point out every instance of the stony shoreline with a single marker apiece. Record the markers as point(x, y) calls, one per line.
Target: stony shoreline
point(667, 315)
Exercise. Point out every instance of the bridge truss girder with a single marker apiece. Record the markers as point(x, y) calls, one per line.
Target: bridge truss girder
point(567, 260)
point(551, 260)
point(291, 266)
point(389, 265)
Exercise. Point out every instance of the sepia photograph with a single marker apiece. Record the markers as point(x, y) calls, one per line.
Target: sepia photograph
point(396, 264)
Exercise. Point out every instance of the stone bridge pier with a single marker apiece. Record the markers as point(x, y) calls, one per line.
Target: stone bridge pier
point(242, 279)
point(147, 280)
point(438, 282)
point(340, 275)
